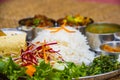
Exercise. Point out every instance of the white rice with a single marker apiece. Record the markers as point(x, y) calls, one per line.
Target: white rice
point(73, 46)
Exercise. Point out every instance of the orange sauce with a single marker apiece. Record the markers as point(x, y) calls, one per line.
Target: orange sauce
point(109, 48)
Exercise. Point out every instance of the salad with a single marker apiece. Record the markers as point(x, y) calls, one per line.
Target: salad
point(35, 63)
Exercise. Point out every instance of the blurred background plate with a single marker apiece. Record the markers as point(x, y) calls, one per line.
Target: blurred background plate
point(9, 29)
point(98, 33)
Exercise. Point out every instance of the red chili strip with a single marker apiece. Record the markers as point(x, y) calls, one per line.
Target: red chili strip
point(52, 51)
point(33, 52)
point(51, 43)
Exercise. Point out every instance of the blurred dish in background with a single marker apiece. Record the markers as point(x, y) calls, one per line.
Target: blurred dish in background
point(37, 21)
point(34, 24)
point(117, 36)
point(76, 21)
point(99, 33)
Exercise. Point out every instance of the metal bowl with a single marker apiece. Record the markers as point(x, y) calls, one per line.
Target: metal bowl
point(109, 48)
point(27, 25)
point(78, 25)
point(117, 36)
point(29, 30)
point(99, 33)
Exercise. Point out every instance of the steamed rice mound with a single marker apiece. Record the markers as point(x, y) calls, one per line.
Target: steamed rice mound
point(73, 46)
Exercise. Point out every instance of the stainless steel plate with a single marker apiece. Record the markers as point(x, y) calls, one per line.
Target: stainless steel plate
point(103, 76)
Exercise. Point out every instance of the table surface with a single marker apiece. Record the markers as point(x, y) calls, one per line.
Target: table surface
point(11, 11)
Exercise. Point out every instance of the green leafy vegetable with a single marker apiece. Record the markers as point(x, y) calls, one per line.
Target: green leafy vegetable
point(101, 64)
point(2, 65)
point(11, 69)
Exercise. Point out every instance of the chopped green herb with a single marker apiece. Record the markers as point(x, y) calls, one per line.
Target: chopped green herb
point(101, 64)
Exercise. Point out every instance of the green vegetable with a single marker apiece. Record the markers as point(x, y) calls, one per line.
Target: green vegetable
point(11, 69)
point(36, 22)
point(70, 18)
point(101, 64)
point(2, 65)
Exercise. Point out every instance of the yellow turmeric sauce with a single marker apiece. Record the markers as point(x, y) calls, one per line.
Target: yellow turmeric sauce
point(103, 28)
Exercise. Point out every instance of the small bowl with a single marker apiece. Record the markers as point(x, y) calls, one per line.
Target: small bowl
point(29, 26)
point(72, 20)
point(29, 30)
point(29, 22)
point(111, 48)
point(99, 33)
point(117, 36)
point(26, 22)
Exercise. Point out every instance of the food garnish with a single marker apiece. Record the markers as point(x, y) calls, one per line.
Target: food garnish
point(37, 51)
point(109, 48)
point(30, 70)
point(62, 27)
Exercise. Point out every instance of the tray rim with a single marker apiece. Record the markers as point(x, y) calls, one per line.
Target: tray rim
point(98, 75)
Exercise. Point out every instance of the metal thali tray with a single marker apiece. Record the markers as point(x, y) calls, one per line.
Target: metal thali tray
point(103, 76)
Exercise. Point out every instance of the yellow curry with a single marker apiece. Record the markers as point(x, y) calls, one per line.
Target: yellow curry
point(102, 28)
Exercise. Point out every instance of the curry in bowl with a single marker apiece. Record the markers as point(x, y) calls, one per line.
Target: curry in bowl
point(103, 28)
point(111, 48)
point(98, 33)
